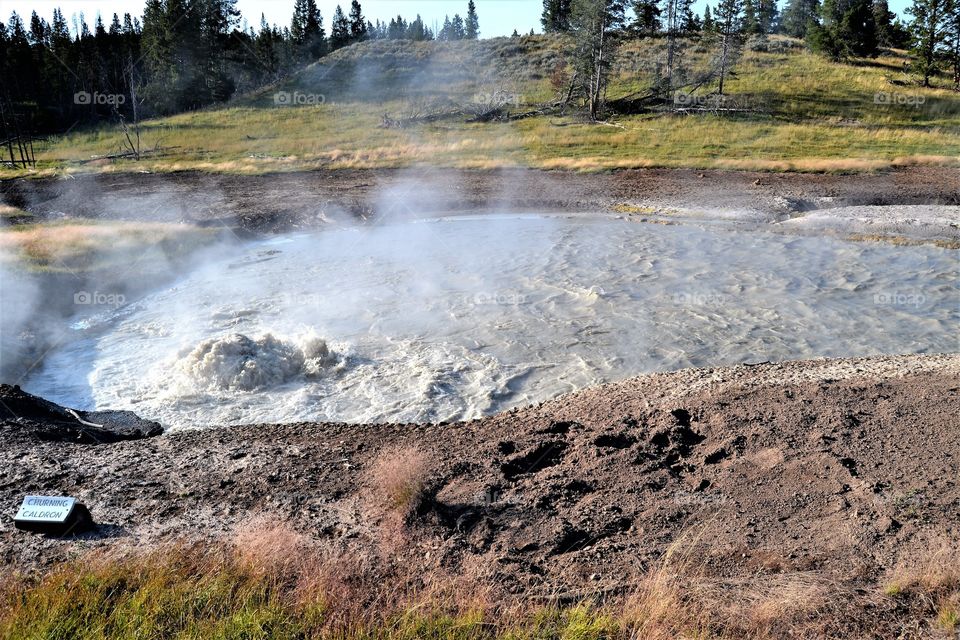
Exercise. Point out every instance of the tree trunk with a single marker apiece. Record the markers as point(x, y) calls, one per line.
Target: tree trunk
point(723, 59)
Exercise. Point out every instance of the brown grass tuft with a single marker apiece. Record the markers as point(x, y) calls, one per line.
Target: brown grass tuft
point(398, 480)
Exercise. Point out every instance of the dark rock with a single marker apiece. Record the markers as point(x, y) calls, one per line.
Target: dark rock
point(49, 421)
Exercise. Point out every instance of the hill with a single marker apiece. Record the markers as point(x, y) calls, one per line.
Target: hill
point(397, 103)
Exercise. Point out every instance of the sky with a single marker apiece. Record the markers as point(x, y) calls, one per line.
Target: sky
point(497, 17)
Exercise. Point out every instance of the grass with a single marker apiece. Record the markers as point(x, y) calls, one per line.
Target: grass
point(76, 246)
point(270, 581)
point(398, 480)
point(808, 114)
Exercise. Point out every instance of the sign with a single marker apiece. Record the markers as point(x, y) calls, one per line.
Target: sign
point(53, 515)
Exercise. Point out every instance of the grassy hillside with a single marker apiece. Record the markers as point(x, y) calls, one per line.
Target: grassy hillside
point(794, 111)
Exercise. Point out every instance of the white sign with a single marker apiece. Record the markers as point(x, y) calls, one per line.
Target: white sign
point(45, 509)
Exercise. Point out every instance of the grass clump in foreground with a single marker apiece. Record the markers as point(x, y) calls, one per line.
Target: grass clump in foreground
point(272, 582)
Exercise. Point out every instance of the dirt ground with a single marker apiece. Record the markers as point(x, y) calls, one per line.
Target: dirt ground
point(295, 200)
point(846, 468)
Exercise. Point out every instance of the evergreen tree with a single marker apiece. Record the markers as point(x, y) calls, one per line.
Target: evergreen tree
point(767, 15)
point(472, 28)
point(358, 24)
point(689, 22)
point(556, 16)
point(446, 31)
point(595, 25)
point(339, 29)
point(953, 41)
point(306, 30)
point(751, 22)
point(798, 16)
point(646, 14)
point(457, 30)
point(708, 25)
point(847, 29)
point(417, 31)
point(398, 29)
point(729, 19)
point(929, 29)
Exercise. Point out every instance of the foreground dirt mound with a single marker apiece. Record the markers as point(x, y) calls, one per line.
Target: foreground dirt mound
point(26, 417)
point(837, 466)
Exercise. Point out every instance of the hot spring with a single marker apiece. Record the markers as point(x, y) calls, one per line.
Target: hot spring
point(455, 318)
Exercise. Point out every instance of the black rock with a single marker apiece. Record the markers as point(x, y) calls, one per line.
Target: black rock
point(49, 421)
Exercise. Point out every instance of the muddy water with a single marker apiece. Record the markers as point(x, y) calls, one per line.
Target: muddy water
point(456, 318)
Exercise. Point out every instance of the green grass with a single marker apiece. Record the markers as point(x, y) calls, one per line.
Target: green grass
point(805, 113)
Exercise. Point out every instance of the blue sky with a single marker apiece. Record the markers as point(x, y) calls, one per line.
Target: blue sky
point(497, 17)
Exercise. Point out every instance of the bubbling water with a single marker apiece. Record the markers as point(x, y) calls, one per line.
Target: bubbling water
point(238, 363)
point(457, 318)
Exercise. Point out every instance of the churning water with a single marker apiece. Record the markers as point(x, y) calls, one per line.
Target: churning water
point(454, 318)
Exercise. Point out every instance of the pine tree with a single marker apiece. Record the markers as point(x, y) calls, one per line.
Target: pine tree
point(417, 31)
point(729, 19)
point(556, 16)
point(472, 28)
point(751, 23)
point(315, 40)
point(595, 24)
point(339, 29)
point(708, 24)
point(847, 29)
point(798, 16)
point(953, 41)
point(767, 15)
point(358, 24)
point(446, 31)
point(457, 30)
point(929, 29)
point(858, 30)
point(397, 29)
point(646, 16)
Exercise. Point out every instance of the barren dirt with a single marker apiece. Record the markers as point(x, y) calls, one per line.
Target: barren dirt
point(286, 201)
point(845, 468)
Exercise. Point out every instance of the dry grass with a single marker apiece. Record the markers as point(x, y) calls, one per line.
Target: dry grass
point(809, 115)
point(272, 581)
point(89, 245)
point(398, 480)
point(930, 585)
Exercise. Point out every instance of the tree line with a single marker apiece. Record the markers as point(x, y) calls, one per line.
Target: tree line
point(180, 55)
point(840, 29)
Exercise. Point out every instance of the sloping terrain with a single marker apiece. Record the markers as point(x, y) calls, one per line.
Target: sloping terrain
point(836, 470)
point(389, 104)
